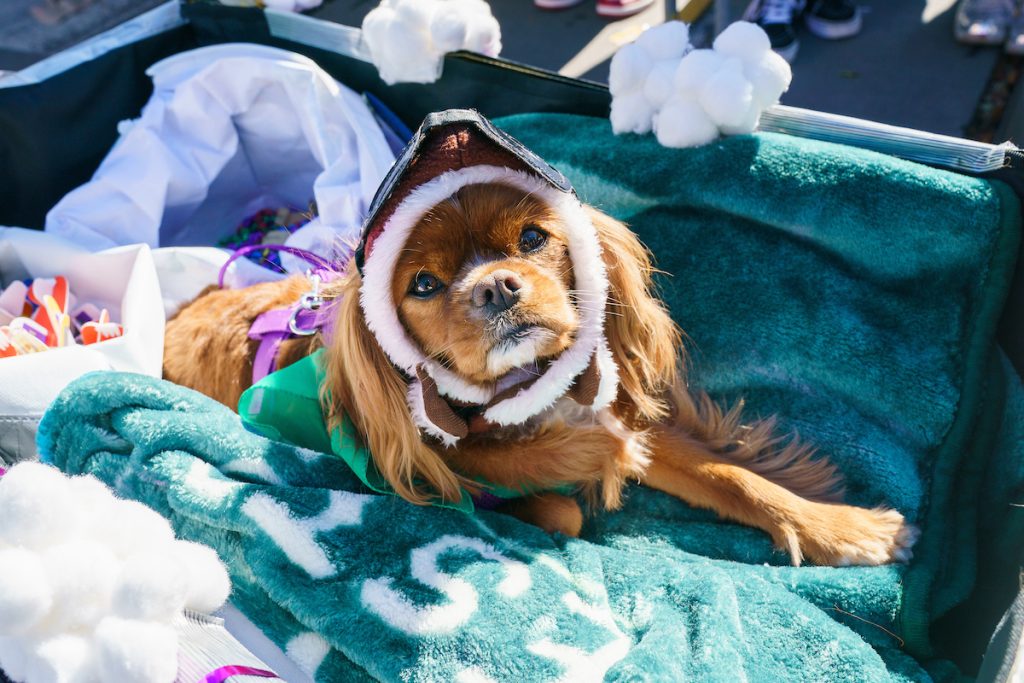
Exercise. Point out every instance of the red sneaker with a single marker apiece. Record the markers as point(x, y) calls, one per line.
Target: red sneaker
point(556, 4)
point(621, 8)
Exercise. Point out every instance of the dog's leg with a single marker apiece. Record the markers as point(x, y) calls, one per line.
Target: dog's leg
point(825, 533)
point(550, 511)
point(596, 458)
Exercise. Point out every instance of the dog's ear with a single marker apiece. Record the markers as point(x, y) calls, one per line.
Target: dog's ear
point(644, 340)
point(362, 383)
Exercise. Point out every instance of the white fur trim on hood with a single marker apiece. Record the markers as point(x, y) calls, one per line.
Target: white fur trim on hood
point(591, 286)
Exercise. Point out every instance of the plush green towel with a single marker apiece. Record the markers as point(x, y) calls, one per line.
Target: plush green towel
point(853, 294)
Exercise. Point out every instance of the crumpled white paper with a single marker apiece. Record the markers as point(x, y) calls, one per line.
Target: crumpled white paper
point(407, 39)
point(122, 280)
point(689, 97)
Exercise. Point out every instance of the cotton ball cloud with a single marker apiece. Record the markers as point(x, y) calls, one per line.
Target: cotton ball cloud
point(63, 659)
point(92, 584)
point(34, 506)
point(407, 39)
point(153, 586)
point(25, 594)
point(684, 123)
point(641, 74)
point(131, 651)
point(83, 575)
point(689, 97)
point(208, 581)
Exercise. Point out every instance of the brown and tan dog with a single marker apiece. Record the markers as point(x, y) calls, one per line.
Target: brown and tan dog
point(485, 283)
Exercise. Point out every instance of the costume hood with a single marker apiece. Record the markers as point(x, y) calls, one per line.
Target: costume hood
point(453, 149)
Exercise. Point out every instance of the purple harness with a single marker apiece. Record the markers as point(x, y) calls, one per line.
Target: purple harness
point(307, 317)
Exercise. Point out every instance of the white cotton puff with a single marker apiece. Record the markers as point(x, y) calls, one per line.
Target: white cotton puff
point(401, 52)
point(407, 39)
point(770, 76)
point(695, 70)
point(628, 70)
point(484, 37)
point(66, 658)
point(631, 114)
point(744, 40)
point(665, 41)
point(728, 96)
point(98, 606)
point(208, 582)
point(727, 87)
point(684, 123)
point(83, 575)
point(130, 651)
point(152, 587)
point(35, 506)
point(658, 84)
point(93, 502)
point(134, 527)
point(484, 32)
point(14, 658)
point(449, 31)
point(417, 14)
point(743, 125)
point(25, 594)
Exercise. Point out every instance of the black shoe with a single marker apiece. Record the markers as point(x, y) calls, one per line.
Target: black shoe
point(832, 19)
point(777, 17)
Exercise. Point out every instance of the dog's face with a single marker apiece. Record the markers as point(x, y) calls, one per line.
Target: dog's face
point(484, 283)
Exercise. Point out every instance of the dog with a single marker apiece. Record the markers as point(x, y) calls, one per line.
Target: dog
point(484, 285)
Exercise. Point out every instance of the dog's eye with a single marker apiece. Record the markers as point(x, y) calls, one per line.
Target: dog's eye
point(532, 238)
point(424, 284)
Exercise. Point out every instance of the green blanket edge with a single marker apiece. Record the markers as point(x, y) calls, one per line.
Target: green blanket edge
point(915, 616)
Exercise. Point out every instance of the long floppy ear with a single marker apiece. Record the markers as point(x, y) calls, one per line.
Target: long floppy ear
point(644, 340)
point(362, 383)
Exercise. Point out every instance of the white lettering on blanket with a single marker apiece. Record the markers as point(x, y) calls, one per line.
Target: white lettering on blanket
point(206, 481)
point(254, 467)
point(297, 537)
point(579, 665)
point(382, 599)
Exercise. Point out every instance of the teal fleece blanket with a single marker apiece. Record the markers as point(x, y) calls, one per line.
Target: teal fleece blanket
point(852, 294)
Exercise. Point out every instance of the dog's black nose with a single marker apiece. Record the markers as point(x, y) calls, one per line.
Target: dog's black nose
point(497, 292)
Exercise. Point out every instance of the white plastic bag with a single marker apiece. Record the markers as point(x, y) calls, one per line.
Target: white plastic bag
point(231, 129)
point(122, 280)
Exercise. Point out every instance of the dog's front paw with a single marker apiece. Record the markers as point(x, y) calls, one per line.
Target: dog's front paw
point(842, 535)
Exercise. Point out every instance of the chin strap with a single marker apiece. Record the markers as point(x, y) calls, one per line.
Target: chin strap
point(459, 419)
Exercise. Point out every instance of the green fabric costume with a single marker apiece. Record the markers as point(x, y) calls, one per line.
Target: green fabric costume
point(285, 405)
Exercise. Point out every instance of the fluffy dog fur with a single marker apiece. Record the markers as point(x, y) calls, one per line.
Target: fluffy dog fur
point(659, 431)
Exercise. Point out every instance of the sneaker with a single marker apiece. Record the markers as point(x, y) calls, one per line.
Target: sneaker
point(982, 22)
point(776, 17)
point(832, 19)
point(1015, 37)
point(556, 4)
point(621, 8)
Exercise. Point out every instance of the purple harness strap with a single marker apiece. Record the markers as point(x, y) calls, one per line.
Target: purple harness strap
point(309, 257)
point(305, 318)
